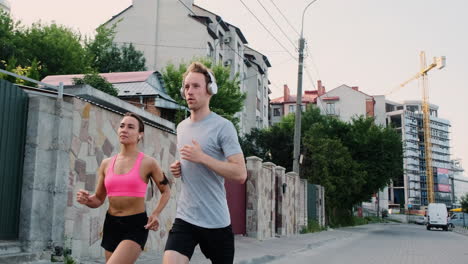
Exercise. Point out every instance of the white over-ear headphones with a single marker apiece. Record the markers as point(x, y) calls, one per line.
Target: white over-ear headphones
point(212, 86)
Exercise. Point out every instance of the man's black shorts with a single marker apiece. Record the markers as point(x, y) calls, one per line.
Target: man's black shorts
point(217, 244)
point(119, 228)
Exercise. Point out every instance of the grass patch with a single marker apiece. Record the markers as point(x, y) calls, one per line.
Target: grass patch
point(312, 227)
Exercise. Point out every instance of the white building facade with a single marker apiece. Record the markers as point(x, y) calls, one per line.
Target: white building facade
point(5, 5)
point(168, 31)
point(459, 182)
point(255, 113)
point(348, 102)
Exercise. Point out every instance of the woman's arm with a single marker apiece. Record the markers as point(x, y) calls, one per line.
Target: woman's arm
point(96, 200)
point(163, 185)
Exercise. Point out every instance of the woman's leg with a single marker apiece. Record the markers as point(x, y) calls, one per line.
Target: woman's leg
point(108, 255)
point(127, 252)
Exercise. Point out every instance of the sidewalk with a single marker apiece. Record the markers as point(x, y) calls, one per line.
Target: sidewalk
point(252, 251)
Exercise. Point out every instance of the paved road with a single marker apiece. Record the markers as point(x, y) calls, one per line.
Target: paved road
point(386, 243)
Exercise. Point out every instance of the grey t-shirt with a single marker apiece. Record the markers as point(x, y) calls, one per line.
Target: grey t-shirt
point(202, 200)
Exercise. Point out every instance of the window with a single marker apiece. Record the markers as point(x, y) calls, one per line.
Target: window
point(292, 108)
point(221, 39)
point(331, 108)
point(239, 47)
point(276, 112)
point(264, 110)
point(259, 105)
point(259, 85)
point(220, 58)
point(210, 50)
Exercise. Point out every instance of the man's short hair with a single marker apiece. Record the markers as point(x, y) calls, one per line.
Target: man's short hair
point(199, 68)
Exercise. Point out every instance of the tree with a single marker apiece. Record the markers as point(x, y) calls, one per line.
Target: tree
point(351, 160)
point(331, 165)
point(55, 49)
point(98, 82)
point(464, 202)
point(58, 49)
point(9, 38)
point(106, 56)
point(229, 99)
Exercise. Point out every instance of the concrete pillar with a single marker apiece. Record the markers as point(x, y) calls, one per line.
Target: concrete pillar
point(280, 204)
point(46, 167)
point(254, 166)
point(269, 194)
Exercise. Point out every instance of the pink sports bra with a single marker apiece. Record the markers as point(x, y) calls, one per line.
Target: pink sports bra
point(128, 184)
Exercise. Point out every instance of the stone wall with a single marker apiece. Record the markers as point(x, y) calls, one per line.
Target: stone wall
point(66, 142)
point(276, 202)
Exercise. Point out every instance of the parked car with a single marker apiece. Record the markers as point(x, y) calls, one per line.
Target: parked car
point(420, 220)
point(437, 216)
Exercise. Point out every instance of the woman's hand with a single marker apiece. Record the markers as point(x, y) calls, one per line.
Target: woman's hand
point(153, 223)
point(82, 196)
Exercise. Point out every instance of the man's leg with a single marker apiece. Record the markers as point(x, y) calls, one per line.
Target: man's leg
point(181, 243)
point(218, 245)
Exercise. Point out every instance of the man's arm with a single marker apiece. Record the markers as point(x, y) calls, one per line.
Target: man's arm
point(233, 169)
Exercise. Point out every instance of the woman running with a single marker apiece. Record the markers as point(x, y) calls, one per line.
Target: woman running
point(124, 178)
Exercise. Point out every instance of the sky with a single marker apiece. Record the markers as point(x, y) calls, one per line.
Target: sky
point(367, 43)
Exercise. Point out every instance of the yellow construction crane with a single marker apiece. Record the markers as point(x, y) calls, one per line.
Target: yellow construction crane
point(439, 63)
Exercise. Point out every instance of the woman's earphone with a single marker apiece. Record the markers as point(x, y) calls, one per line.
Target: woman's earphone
point(212, 86)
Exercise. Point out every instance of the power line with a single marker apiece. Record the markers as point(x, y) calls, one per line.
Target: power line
point(281, 13)
point(164, 46)
point(309, 75)
point(274, 21)
point(188, 8)
point(267, 29)
point(313, 61)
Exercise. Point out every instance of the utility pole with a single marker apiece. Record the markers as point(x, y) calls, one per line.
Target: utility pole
point(297, 123)
point(297, 128)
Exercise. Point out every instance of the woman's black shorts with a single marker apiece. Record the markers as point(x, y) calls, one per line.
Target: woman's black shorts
point(119, 228)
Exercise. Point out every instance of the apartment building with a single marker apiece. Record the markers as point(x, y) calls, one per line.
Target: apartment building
point(411, 188)
point(168, 31)
point(286, 104)
point(458, 180)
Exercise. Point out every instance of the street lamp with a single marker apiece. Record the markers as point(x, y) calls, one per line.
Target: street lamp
point(297, 128)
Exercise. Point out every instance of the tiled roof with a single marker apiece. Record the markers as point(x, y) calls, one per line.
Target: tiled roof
point(308, 97)
point(113, 77)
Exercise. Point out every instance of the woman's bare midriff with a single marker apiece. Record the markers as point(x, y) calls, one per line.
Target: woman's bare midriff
point(124, 205)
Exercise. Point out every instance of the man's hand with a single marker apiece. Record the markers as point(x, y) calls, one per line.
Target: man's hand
point(153, 223)
point(192, 153)
point(175, 169)
point(82, 196)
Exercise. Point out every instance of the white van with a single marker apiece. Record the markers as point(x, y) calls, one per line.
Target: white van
point(437, 216)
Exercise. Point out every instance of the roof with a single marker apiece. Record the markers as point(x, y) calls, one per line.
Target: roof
point(331, 98)
point(239, 33)
point(265, 58)
point(140, 88)
point(308, 97)
point(113, 77)
point(121, 12)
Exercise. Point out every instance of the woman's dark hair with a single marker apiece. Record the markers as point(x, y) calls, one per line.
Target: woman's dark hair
point(141, 126)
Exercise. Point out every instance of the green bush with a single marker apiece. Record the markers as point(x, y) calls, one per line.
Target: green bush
point(312, 227)
point(98, 82)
